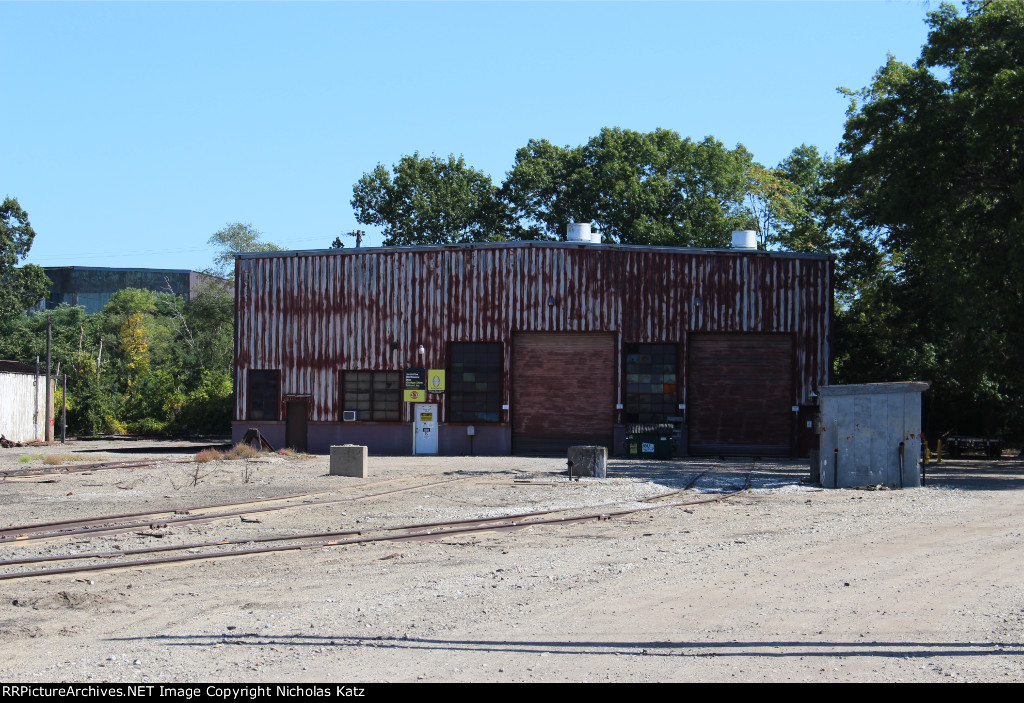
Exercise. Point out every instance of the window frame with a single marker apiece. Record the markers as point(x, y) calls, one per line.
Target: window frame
point(377, 396)
point(488, 400)
point(648, 407)
point(253, 410)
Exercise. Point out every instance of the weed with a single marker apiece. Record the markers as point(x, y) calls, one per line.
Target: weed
point(241, 451)
point(208, 455)
point(197, 475)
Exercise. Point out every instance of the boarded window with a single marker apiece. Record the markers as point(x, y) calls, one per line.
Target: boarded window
point(375, 396)
point(651, 382)
point(264, 394)
point(474, 393)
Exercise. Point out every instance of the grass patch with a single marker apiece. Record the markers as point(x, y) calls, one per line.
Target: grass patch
point(208, 455)
point(58, 459)
point(241, 451)
point(25, 458)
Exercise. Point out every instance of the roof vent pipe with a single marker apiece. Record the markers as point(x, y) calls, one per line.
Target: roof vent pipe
point(578, 232)
point(744, 239)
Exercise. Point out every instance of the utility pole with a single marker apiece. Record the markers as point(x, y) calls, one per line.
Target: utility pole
point(358, 234)
point(49, 392)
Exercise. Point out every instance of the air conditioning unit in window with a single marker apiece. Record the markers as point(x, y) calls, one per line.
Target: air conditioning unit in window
point(348, 415)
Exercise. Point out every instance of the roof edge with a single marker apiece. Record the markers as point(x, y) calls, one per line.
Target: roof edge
point(530, 244)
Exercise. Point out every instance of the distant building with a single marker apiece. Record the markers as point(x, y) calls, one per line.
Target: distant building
point(92, 286)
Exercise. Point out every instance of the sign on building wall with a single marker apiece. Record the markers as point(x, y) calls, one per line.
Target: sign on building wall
point(435, 380)
point(414, 385)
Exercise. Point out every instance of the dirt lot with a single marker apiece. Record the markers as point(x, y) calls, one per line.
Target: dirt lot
point(779, 582)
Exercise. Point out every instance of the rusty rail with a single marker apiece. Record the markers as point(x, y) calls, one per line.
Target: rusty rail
point(27, 535)
point(422, 531)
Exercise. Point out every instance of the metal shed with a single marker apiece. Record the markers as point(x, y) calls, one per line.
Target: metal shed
point(23, 402)
point(544, 344)
point(871, 434)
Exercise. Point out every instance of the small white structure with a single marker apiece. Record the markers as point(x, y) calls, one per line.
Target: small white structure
point(23, 402)
point(871, 435)
point(745, 239)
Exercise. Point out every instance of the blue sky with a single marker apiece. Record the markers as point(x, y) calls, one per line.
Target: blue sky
point(134, 130)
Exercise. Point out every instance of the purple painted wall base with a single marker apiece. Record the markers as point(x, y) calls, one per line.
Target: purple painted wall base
point(386, 439)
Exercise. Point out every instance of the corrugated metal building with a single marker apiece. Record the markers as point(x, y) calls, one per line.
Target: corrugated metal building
point(544, 345)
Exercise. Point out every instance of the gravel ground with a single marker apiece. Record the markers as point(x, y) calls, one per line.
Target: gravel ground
point(779, 582)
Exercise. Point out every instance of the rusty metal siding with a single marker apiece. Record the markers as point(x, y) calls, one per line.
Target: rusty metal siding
point(313, 314)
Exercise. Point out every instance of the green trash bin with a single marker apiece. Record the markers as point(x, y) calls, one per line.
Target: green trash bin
point(649, 444)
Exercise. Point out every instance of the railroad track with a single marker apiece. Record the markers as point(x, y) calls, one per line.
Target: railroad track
point(41, 471)
point(420, 531)
point(126, 522)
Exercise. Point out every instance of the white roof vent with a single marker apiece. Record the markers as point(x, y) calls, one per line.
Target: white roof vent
point(579, 232)
point(744, 239)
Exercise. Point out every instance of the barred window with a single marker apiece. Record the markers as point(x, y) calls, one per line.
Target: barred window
point(474, 382)
point(650, 382)
point(375, 396)
point(264, 394)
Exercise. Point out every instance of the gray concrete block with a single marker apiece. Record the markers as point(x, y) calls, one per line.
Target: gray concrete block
point(348, 460)
point(589, 461)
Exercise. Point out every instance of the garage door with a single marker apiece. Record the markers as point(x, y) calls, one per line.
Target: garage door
point(740, 394)
point(563, 391)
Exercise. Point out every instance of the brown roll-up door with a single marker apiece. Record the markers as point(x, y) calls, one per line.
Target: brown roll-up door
point(740, 394)
point(563, 391)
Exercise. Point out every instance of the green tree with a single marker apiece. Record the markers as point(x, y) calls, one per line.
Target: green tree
point(236, 237)
point(75, 338)
point(775, 203)
point(198, 387)
point(20, 287)
point(933, 166)
point(638, 188)
point(430, 201)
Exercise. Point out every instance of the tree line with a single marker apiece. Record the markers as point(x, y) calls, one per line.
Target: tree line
point(921, 205)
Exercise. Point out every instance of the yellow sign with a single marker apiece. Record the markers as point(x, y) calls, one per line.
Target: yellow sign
point(426, 417)
point(415, 396)
point(435, 380)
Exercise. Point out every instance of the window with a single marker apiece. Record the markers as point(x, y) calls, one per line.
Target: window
point(474, 382)
point(375, 396)
point(263, 393)
point(650, 382)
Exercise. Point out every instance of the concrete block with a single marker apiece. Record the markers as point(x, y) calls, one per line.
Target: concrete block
point(348, 460)
point(589, 461)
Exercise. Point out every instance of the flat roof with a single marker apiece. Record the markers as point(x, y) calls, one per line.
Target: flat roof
point(529, 244)
point(110, 268)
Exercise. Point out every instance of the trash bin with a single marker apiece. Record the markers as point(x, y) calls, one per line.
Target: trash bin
point(650, 441)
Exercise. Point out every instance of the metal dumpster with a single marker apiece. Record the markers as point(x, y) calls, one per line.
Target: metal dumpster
point(650, 441)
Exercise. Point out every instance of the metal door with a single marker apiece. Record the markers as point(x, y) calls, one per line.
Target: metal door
point(297, 413)
point(563, 391)
point(425, 428)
